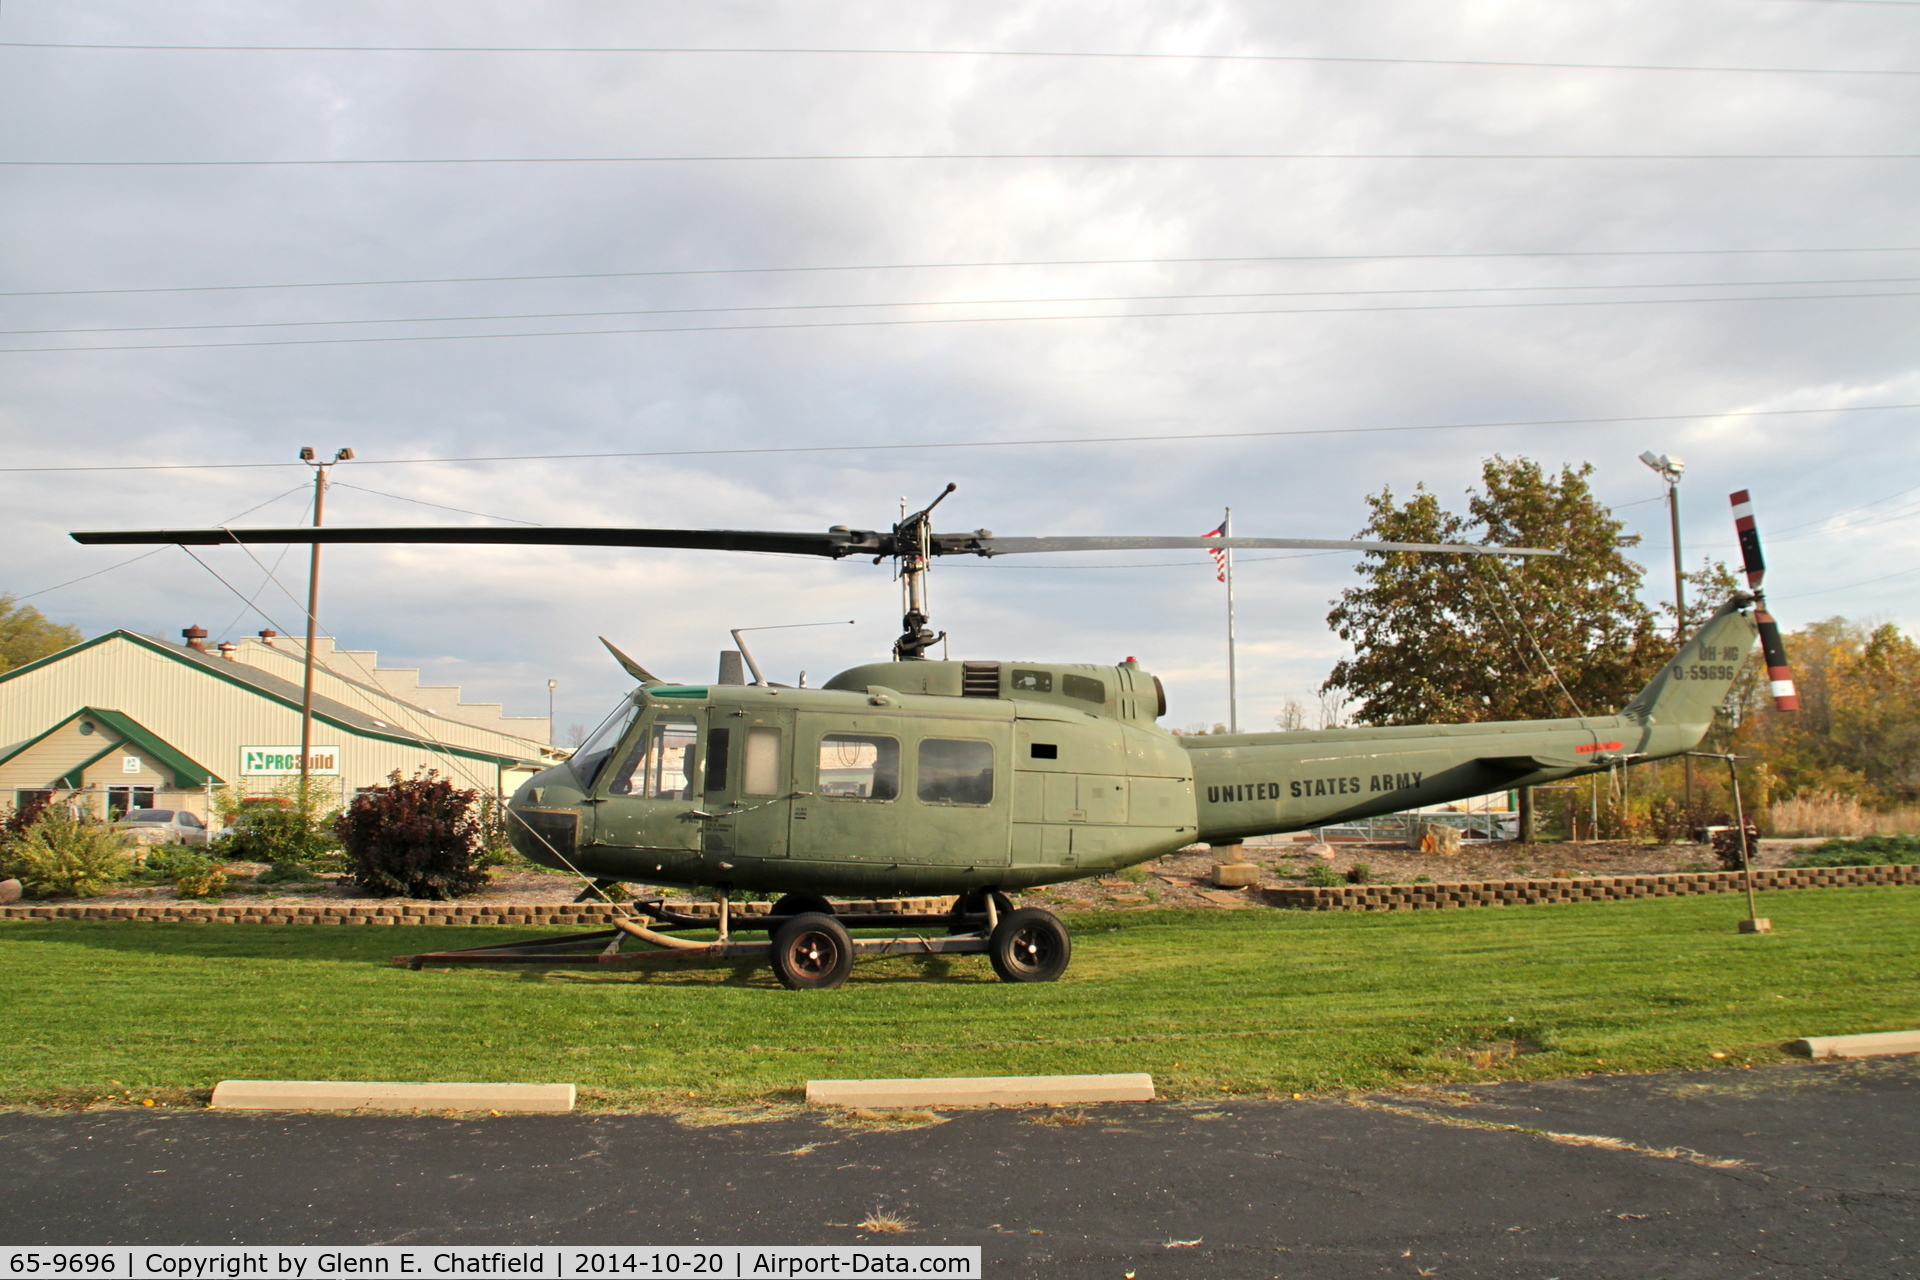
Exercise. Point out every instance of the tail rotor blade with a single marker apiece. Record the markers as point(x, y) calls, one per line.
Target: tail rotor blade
point(1779, 674)
point(1755, 562)
point(1772, 648)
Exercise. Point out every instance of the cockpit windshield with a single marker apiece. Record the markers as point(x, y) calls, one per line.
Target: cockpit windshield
point(593, 753)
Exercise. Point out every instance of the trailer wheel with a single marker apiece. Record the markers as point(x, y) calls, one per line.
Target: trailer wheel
point(1030, 945)
point(812, 952)
point(793, 904)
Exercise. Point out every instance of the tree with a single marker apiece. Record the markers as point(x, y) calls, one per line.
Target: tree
point(1446, 638)
point(26, 635)
point(1857, 732)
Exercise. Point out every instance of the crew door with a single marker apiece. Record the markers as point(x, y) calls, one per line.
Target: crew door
point(851, 766)
point(749, 782)
point(653, 786)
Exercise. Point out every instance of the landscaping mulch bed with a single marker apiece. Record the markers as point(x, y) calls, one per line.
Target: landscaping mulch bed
point(1179, 880)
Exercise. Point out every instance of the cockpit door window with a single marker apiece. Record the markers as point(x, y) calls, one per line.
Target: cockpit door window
point(662, 764)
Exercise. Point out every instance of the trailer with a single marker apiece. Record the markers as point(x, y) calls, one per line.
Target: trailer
point(810, 946)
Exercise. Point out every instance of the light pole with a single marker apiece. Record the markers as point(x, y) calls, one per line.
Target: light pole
point(320, 470)
point(551, 686)
point(1670, 469)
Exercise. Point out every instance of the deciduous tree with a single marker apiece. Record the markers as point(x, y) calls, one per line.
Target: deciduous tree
point(1448, 638)
point(26, 635)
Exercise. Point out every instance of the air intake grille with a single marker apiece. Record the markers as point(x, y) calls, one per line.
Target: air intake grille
point(980, 680)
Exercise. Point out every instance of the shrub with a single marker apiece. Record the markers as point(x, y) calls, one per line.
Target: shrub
point(287, 826)
point(195, 875)
point(1321, 875)
point(1869, 851)
point(67, 855)
point(285, 873)
point(496, 850)
point(1359, 873)
point(415, 836)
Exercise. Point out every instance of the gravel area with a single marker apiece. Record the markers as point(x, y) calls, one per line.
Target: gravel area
point(1182, 879)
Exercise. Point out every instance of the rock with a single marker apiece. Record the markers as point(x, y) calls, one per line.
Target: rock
point(1434, 837)
point(9, 891)
point(1321, 850)
point(1235, 875)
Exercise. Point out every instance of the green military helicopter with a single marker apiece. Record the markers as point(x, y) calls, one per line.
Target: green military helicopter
point(972, 779)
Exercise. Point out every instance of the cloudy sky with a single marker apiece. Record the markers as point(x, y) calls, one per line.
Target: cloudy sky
point(767, 263)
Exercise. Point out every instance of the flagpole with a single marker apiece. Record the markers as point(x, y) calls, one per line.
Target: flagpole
point(1233, 674)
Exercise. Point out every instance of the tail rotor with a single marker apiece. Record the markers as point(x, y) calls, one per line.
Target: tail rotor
point(1779, 674)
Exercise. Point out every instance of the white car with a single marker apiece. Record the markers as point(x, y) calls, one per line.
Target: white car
point(162, 826)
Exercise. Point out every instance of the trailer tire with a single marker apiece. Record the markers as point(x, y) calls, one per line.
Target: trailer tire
point(812, 952)
point(1030, 945)
point(793, 904)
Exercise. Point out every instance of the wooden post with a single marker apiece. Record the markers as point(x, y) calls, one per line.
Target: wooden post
point(1526, 831)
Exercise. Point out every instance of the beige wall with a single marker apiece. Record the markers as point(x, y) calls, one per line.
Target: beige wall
point(394, 694)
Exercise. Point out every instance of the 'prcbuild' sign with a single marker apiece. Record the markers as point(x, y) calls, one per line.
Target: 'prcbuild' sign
point(258, 762)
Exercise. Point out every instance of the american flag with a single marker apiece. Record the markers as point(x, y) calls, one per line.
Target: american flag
point(1219, 554)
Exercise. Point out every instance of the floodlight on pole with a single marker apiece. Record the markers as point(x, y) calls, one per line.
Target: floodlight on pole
point(320, 469)
point(1670, 469)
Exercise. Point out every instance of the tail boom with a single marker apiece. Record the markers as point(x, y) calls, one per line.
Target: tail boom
point(1269, 783)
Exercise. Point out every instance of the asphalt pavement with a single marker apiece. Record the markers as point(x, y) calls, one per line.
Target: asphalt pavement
point(1803, 1170)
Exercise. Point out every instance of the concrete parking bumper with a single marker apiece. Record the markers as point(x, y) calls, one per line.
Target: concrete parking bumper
point(353, 1095)
point(990, 1091)
point(1865, 1046)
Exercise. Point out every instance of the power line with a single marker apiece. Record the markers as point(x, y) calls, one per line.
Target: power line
point(341, 484)
point(1068, 54)
point(976, 302)
point(951, 266)
point(853, 157)
point(943, 320)
point(124, 563)
point(1190, 438)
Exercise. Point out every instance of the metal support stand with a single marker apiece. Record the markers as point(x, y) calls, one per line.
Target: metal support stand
point(1755, 922)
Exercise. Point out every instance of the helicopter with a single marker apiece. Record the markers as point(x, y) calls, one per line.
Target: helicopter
point(974, 779)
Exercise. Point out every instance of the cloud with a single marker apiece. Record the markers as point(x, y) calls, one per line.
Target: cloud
point(507, 620)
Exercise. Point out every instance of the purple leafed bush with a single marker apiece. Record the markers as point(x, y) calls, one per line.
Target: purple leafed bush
point(415, 837)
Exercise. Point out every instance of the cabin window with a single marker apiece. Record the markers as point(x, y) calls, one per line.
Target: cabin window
point(1044, 750)
point(1085, 688)
point(859, 766)
point(592, 755)
point(956, 771)
point(760, 775)
point(717, 741)
point(662, 764)
point(1032, 681)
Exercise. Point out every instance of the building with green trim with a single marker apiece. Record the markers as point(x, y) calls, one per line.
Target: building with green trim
point(127, 721)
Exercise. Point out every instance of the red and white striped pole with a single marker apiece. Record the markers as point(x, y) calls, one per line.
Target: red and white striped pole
point(1779, 674)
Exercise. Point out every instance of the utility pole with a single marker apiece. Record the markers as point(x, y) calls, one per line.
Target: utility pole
point(320, 470)
point(1670, 469)
point(1233, 672)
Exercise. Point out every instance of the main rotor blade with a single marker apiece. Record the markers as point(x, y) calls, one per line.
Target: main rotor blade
point(991, 546)
point(833, 544)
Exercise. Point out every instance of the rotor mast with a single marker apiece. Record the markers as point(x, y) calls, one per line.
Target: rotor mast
point(913, 547)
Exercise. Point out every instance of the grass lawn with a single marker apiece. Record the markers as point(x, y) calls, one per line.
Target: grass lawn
point(1212, 1003)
